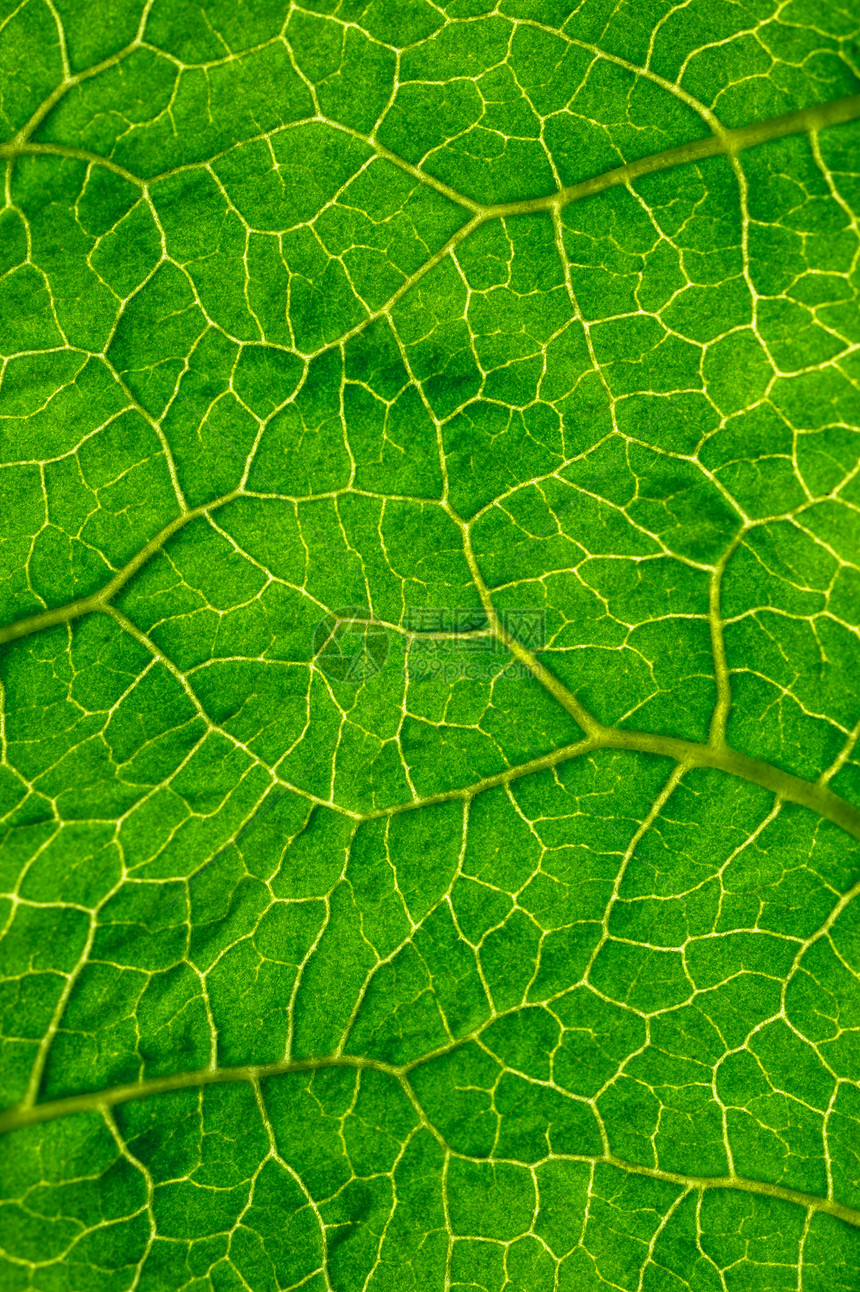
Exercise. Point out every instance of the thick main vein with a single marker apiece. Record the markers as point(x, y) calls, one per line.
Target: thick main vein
point(717, 755)
point(816, 797)
point(815, 118)
point(812, 119)
point(100, 600)
point(721, 143)
point(102, 1101)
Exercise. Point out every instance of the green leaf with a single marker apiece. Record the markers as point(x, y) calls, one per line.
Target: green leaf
point(430, 597)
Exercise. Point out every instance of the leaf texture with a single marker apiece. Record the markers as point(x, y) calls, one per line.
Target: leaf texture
point(430, 578)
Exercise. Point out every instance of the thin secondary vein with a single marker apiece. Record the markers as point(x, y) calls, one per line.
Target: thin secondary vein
point(815, 796)
point(806, 120)
point(820, 117)
point(98, 1102)
point(793, 789)
point(99, 600)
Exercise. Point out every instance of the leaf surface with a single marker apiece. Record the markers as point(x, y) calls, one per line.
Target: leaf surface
point(430, 580)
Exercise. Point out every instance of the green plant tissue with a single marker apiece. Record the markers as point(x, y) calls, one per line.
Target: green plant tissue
point(429, 610)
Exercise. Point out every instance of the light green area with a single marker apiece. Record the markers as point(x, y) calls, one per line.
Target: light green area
point(429, 611)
